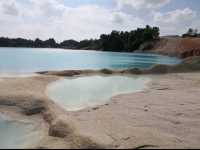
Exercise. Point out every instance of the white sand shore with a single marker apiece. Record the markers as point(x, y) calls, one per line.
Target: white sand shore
point(165, 115)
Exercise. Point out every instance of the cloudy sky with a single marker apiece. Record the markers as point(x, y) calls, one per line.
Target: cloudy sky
point(80, 19)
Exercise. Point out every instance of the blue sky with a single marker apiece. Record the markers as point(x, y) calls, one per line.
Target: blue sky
point(75, 3)
point(80, 19)
point(181, 4)
point(195, 4)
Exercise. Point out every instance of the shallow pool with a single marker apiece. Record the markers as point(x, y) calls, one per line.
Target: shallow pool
point(16, 134)
point(79, 93)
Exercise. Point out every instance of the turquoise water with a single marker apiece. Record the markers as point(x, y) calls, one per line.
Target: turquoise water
point(14, 134)
point(83, 92)
point(29, 60)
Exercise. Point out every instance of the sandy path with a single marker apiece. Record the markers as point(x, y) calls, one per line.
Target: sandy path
point(166, 115)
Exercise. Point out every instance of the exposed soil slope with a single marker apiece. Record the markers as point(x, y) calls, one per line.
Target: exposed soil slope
point(177, 46)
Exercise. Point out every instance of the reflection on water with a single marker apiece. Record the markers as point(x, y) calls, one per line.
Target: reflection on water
point(15, 134)
point(79, 93)
point(28, 60)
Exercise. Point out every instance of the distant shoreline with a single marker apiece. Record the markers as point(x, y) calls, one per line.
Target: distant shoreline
point(118, 41)
point(169, 46)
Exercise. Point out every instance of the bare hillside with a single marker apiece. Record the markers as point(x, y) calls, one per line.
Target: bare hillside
point(177, 46)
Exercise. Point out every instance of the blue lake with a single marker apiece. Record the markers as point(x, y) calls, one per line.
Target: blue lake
point(29, 60)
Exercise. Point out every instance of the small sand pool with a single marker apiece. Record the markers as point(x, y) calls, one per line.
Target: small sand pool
point(16, 134)
point(79, 93)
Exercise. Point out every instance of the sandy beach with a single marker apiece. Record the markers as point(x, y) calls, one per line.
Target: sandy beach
point(164, 115)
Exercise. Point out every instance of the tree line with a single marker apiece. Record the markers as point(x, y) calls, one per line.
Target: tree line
point(115, 41)
point(191, 33)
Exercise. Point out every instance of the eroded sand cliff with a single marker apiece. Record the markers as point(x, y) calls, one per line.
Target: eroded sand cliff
point(177, 46)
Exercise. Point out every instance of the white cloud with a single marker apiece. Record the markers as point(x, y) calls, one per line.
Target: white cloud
point(141, 4)
point(176, 21)
point(175, 17)
point(9, 8)
point(47, 8)
point(51, 18)
point(91, 21)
